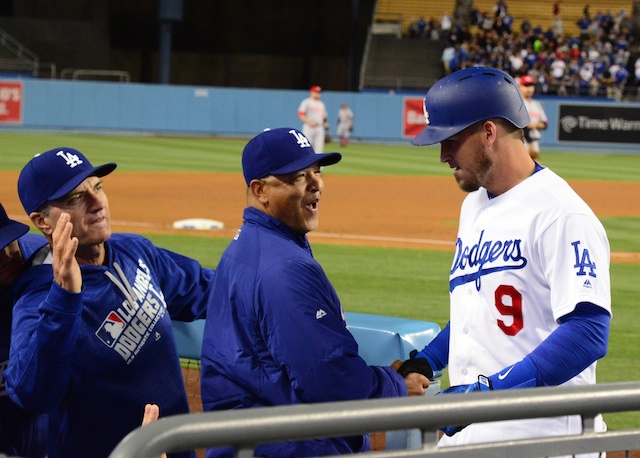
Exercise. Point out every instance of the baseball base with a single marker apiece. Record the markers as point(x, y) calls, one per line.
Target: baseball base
point(200, 224)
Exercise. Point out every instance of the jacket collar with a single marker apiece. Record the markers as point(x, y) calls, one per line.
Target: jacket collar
point(253, 215)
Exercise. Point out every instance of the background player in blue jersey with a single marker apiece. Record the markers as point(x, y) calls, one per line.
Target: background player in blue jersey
point(92, 339)
point(275, 331)
point(21, 433)
point(529, 283)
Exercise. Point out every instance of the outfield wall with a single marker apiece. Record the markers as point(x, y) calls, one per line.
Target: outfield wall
point(35, 104)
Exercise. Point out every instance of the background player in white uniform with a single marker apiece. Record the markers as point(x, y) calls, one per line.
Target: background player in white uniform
point(529, 283)
point(313, 114)
point(345, 124)
point(538, 118)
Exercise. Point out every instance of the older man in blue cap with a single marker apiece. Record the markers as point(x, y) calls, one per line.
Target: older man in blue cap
point(275, 331)
point(92, 341)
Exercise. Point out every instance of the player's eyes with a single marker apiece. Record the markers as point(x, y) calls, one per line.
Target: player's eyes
point(74, 200)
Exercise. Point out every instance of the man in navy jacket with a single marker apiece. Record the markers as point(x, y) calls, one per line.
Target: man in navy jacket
point(275, 332)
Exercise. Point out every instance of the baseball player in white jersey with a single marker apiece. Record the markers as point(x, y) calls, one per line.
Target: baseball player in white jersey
point(345, 124)
point(313, 114)
point(538, 118)
point(529, 282)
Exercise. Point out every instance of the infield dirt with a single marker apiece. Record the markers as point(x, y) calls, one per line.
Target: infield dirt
point(390, 211)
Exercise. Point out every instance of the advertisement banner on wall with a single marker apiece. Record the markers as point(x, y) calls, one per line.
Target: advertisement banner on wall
point(11, 97)
point(605, 124)
point(413, 120)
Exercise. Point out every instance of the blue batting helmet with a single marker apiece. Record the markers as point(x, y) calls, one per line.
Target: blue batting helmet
point(467, 96)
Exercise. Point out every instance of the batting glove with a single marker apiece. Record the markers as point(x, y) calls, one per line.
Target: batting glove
point(419, 365)
point(483, 384)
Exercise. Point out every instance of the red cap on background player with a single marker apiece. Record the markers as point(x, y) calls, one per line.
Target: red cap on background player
point(316, 89)
point(527, 80)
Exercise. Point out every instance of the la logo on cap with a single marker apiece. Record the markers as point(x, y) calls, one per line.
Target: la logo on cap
point(72, 160)
point(426, 113)
point(302, 140)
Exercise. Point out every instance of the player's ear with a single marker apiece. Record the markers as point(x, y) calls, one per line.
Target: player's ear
point(489, 131)
point(41, 221)
point(258, 190)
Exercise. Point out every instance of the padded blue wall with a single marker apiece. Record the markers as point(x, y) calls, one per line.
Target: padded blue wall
point(133, 107)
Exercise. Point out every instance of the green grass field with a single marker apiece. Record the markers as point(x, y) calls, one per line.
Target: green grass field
point(203, 154)
point(386, 281)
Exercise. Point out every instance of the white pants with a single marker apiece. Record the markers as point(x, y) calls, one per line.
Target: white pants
point(344, 130)
point(496, 431)
point(315, 136)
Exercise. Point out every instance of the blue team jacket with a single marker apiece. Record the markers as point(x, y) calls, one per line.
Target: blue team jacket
point(21, 433)
point(95, 358)
point(276, 334)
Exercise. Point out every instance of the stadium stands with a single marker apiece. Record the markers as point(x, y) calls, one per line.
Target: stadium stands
point(570, 47)
point(540, 14)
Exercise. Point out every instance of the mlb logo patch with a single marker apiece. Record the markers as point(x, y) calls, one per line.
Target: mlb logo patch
point(111, 329)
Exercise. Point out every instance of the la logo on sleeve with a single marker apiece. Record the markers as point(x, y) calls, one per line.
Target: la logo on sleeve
point(583, 261)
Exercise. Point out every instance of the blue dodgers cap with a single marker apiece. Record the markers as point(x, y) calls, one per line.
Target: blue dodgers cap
point(281, 151)
point(54, 174)
point(10, 229)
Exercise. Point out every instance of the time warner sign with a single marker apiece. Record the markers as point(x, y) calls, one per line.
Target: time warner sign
point(608, 124)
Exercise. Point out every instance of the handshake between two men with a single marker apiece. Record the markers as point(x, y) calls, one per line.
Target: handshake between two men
point(418, 365)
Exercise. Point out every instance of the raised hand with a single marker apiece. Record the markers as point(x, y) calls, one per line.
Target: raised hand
point(66, 270)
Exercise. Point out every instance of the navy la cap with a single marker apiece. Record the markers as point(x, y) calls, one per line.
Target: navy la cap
point(10, 230)
point(281, 151)
point(54, 174)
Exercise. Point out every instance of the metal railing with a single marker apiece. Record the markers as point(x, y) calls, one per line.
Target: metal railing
point(24, 55)
point(82, 73)
point(387, 28)
point(399, 83)
point(244, 429)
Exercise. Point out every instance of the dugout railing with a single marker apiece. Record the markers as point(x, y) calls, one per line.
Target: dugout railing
point(244, 429)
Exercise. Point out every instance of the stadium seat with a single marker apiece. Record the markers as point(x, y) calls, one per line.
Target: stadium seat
point(189, 338)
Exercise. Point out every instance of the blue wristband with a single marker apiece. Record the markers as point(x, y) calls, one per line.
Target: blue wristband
point(521, 375)
point(437, 351)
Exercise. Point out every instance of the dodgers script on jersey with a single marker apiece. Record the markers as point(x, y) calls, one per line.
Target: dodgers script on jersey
point(522, 260)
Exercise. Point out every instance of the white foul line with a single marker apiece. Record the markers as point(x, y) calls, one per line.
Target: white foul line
point(380, 238)
point(376, 238)
point(134, 224)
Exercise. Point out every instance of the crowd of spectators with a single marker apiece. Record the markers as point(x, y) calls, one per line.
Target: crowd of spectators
point(597, 62)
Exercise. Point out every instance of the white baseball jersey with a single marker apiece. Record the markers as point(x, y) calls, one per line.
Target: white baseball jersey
point(316, 112)
point(536, 114)
point(345, 122)
point(522, 260)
